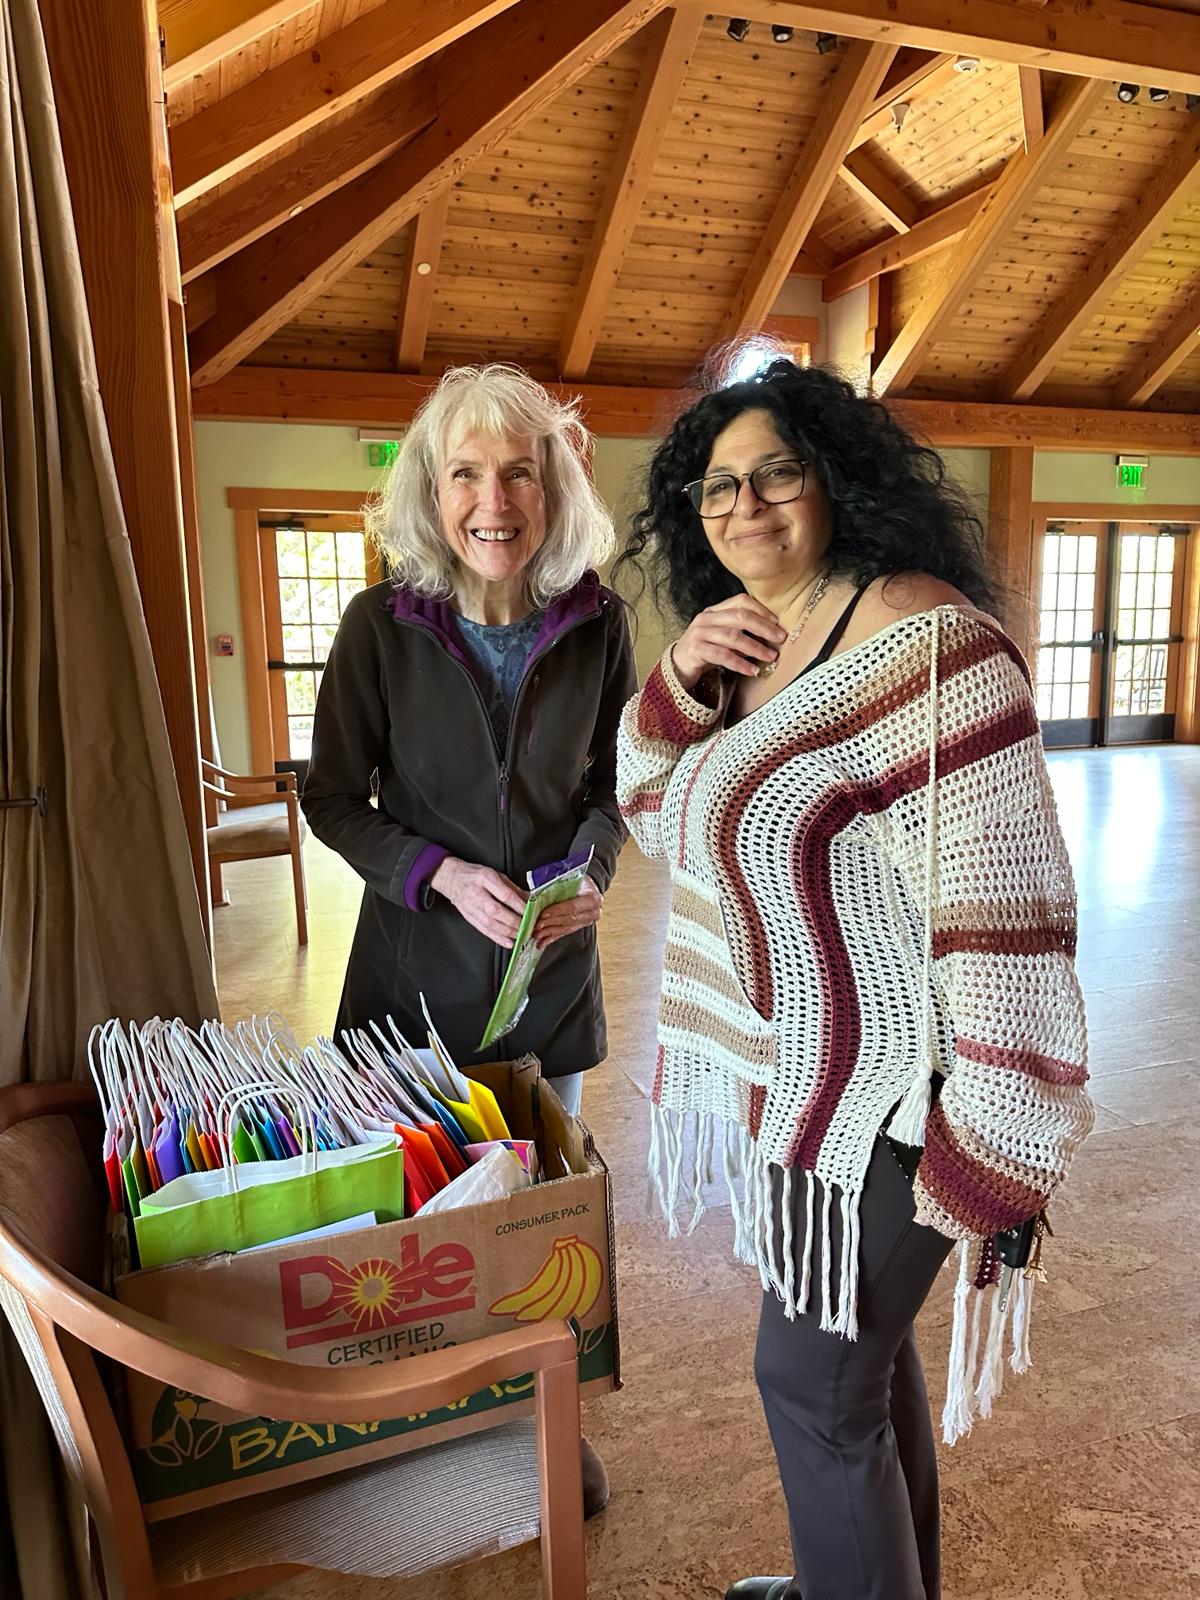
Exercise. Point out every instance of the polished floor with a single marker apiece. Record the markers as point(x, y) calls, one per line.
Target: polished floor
point(1085, 1485)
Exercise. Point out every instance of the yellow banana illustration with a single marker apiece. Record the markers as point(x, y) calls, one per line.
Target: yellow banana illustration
point(565, 1285)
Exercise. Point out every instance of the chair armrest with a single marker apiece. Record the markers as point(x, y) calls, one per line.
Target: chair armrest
point(247, 801)
point(21, 1100)
point(257, 1385)
point(278, 782)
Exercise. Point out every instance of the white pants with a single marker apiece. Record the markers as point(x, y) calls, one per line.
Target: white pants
point(569, 1089)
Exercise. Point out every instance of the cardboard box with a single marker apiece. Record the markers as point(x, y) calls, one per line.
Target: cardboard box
point(383, 1294)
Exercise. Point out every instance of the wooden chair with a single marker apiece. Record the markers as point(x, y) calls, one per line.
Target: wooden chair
point(51, 1245)
point(251, 816)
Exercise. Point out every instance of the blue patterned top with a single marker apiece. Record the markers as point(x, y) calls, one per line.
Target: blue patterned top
point(499, 651)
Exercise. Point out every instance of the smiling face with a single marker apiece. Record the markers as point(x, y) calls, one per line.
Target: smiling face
point(493, 504)
point(765, 545)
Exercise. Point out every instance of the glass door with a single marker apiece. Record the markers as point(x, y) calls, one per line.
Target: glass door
point(1110, 607)
point(1144, 658)
point(311, 568)
point(1068, 656)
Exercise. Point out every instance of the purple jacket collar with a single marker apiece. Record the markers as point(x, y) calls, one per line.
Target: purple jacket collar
point(439, 617)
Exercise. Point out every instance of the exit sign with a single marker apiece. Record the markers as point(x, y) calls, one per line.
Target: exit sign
point(381, 452)
point(1131, 472)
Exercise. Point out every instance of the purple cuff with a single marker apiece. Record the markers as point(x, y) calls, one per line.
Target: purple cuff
point(423, 868)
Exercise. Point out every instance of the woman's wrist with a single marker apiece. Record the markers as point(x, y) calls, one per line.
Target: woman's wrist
point(442, 879)
point(685, 678)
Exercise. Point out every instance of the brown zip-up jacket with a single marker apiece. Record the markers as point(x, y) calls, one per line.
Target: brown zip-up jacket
point(400, 704)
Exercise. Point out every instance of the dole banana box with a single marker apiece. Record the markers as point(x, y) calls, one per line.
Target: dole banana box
point(385, 1293)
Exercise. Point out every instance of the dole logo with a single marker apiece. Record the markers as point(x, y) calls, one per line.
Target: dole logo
point(325, 1299)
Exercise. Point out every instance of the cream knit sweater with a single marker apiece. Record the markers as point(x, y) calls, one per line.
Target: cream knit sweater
point(840, 927)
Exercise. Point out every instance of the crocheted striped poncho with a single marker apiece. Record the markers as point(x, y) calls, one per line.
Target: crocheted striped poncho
point(868, 884)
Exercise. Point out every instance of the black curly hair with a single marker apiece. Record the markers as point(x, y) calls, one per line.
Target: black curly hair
point(894, 509)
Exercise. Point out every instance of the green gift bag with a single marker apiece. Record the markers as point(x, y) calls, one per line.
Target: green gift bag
point(236, 1207)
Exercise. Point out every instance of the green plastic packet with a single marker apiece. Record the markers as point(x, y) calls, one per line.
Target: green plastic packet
point(548, 886)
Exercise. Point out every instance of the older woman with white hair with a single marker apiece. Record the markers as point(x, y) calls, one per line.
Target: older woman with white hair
point(478, 692)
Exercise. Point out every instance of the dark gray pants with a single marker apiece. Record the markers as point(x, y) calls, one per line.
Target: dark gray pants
point(850, 1419)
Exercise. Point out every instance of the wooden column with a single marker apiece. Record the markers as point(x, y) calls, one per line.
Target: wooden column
point(108, 92)
point(1187, 700)
point(1010, 537)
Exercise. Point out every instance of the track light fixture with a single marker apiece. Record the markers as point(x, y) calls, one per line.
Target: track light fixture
point(1192, 101)
point(781, 33)
point(738, 28)
point(826, 42)
point(1127, 93)
point(1157, 96)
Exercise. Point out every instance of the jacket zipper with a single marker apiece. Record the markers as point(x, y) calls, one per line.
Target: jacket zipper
point(502, 756)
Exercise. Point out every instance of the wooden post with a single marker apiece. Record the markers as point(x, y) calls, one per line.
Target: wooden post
point(107, 81)
point(1187, 700)
point(1010, 537)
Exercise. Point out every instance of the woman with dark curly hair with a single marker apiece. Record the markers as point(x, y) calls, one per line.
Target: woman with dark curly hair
point(869, 1014)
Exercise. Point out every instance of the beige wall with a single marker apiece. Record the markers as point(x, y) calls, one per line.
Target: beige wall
point(295, 456)
point(1088, 477)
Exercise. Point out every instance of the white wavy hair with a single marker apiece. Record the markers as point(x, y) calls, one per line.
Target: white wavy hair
point(404, 519)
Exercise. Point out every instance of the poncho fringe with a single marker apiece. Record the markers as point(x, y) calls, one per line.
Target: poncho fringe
point(764, 1238)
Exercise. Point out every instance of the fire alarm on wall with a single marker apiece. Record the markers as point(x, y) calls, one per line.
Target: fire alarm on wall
point(224, 642)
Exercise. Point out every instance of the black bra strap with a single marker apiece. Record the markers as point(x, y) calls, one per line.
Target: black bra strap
point(834, 636)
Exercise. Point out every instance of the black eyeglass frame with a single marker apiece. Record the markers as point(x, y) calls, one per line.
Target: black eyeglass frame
point(739, 479)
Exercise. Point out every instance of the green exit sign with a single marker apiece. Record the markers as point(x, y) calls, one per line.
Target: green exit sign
point(1131, 472)
point(381, 452)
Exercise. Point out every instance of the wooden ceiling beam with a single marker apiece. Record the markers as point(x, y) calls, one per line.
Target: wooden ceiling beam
point(913, 75)
point(253, 122)
point(1169, 188)
point(843, 106)
point(420, 282)
point(387, 400)
point(1111, 39)
point(672, 38)
point(200, 33)
point(907, 72)
point(928, 73)
point(952, 424)
point(491, 81)
point(216, 227)
point(199, 301)
point(970, 258)
point(1033, 105)
point(1165, 355)
point(885, 197)
point(391, 400)
point(934, 232)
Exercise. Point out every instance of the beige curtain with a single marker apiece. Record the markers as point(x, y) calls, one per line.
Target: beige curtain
point(98, 908)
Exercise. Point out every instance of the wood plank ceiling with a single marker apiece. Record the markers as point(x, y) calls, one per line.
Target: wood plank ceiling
point(606, 189)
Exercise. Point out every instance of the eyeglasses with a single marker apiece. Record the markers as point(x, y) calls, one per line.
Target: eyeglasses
point(775, 483)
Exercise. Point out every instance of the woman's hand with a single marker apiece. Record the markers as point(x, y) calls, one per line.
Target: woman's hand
point(569, 916)
point(483, 897)
point(740, 635)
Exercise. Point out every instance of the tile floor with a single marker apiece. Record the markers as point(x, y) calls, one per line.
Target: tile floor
point(1085, 1485)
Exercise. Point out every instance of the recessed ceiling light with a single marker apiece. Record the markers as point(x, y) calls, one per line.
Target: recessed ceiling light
point(424, 268)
